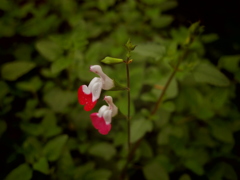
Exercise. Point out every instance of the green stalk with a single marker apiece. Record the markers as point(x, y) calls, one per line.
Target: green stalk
point(168, 83)
point(129, 100)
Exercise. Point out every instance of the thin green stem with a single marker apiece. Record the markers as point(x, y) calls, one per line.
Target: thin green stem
point(168, 83)
point(134, 148)
point(129, 100)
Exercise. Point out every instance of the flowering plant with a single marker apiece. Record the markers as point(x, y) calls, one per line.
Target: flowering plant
point(88, 95)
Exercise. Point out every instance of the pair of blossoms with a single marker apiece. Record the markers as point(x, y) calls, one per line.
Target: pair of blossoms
point(88, 96)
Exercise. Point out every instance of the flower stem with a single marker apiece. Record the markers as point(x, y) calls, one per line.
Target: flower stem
point(129, 100)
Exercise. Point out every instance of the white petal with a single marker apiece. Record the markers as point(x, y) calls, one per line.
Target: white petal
point(95, 87)
point(93, 81)
point(102, 110)
point(96, 91)
point(86, 90)
point(112, 106)
point(114, 110)
point(107, 83)
point(107, 116)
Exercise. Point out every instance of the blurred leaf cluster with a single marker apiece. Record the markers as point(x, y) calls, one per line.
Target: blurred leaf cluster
point(46, 50)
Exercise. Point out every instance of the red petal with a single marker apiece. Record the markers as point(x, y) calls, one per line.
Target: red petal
point(96, 121)
point(85, 99)
point(100, 124)
point(105, 129)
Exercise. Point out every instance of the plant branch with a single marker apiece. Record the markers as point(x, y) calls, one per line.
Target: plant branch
point(168, 83)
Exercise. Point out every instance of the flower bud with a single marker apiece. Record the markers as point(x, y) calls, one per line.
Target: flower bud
point(111, 60)
point(130, 46)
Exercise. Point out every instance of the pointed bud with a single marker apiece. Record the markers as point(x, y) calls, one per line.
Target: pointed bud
point(111, 60)
point(130, 46)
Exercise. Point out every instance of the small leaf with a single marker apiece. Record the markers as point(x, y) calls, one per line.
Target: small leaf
point(99, 174)
point(154, 171)
point(60, 64)
point(207, 73)
point(33, 85)
point(53, 148)
point(162, 21)
point(13, 70)
point(81, 171)
point(22, 172)
point(194, 166)
point(58, 99)
point(104, 150)
point(42, 165)
point(32, 149)
point(230, 63)
point(208, 38)
point(152, 50)
point(222, 170)
point(121, 104)
point(111, 60)
point(185, 177)
point(222, 133)
point(139, 128)
point(49, 49)
point(31, 128)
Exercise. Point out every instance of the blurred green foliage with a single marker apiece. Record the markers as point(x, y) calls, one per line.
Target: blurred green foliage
point(46, 50)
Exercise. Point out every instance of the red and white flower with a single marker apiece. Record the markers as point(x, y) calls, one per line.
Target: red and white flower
point(102, 120)
point(88, 95)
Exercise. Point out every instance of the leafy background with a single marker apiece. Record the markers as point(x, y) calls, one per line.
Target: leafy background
point(46, 50)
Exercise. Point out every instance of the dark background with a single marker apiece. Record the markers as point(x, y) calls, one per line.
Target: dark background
point(221, 17)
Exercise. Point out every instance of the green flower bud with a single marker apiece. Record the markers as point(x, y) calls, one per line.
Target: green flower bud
point(111, 60)
point(130, 46)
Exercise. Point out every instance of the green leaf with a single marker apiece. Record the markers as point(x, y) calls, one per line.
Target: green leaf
point(22, 172)
point(66, 164)
point(185, 177)
point(49, 125)
point(122, 105)
point(13, 70)
point(208, 38)
point(32, 149)
point(194, 166)
point(41, 165)
point(31, 128)
point(53, 148)
point(99, 174)
point(222, 171)
point(152, 50)
point(207, 73)
point(111, 60)
point(154, 171)
point(60, 64)
point(221, 132)
point(162, 21)
point(139, 128)
point(33, 85)
point(230, 63)
point(49, 49)
point(58, 100)
point(104, 150)
point(81, 171)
